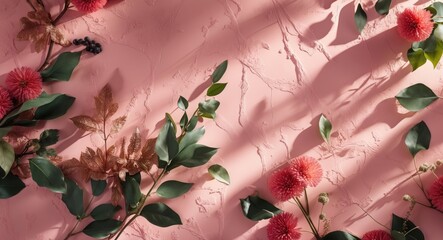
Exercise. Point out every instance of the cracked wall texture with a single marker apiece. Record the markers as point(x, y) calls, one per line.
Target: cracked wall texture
point(289, 61)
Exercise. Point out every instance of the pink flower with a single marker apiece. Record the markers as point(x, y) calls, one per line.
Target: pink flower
point(436, 193)
point(89, 6)
point(285, 184)
point(377, 235)
point(283, 227)
point(415, 25)
point(24, 84)
point(309, 170)
point(5, 102)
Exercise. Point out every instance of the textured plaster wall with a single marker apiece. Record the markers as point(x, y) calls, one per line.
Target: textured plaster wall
point(289, 61)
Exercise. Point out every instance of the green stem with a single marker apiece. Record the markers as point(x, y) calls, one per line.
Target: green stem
point(308, 219)
point(307, 202)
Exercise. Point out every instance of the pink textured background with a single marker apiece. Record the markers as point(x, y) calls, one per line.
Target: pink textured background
point(289, 61)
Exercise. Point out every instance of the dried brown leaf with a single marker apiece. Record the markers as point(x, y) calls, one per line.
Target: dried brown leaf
point(148, 157)
point(117, 124)
point(117, 193)
point(85, 123)
point(40, 16)
point(35, 32)
point(135, 142)
point(122, 148)
point(74, 168)
point(22, 170)
point(104, 103)
point(57, 37)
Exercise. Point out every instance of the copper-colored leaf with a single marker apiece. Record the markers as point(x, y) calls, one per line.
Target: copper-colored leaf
point(122, 148)
point(22, 170)
point(35, 32)
point(74, 168)
point(40, 16)
point(148, 157)
point(116, 192)
point(117, 124)
point(134, 142)
point(104, 103)
point(57, 37)
point(85, 123)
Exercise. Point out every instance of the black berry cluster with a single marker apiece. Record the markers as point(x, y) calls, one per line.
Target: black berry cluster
point(91, 45)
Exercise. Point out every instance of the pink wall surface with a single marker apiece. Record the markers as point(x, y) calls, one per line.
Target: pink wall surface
point(289, 61)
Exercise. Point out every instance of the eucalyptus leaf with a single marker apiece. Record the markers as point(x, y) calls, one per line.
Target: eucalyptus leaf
point(382, 6)
point(58, 107)
point(416, 58)
point(62, 67)
point(10, 186)
point(166, 145)
point(104, 211)
point(102, 228)
point(160, 215)
point(325, 127)
point(339, 235)
point(184, 120)
point(215, 89)
point(46, 174)
point(48, 137)
point(182, 103)
point(219, 173)
point(173, 189)
point(219, 71)
point(191, 137)
point(208, 107)
point(7, 156)
point(416, 97)
point(360, 18)
point(192, 124)
point(193, 156)
point(256, 208)
point(418, 138)
point(73, 198)
point(98, 187)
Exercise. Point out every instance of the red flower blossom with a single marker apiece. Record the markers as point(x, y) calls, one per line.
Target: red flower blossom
point(309, 169)
point(5, 102)
point(283, 227)
point(436, 193)
point(285, 184)
point(376, 235)
point(24, 84)
point(89, 6)
point(415, 25)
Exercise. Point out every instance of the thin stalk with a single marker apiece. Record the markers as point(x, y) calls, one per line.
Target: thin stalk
point(372, 217)
point(307, 202)
point(321, 212)
point(308, 219)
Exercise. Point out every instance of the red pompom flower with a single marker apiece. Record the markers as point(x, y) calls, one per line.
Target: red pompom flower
point(309, 169)
point(285, 184)
point(415, 25)
point(283, 227)
point(89, 6)
point(5, 102)
point(376, 235)
point(24, 84)
point(436, 193)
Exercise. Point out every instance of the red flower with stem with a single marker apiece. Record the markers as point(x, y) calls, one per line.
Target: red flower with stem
point(309, 169)
point(415, 25)
point(284, 184)
point(283, 227)
point(24, 84)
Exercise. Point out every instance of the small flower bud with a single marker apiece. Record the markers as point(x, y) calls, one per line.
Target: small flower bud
point(323, 198)
point(423, 168)
point(407, 198)
point(438, 163)
point(322, 216)
point(432, 167)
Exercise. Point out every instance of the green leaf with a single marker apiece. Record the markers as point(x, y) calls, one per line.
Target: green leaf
point(131, 191)
point(73, 198)
point(25, 123)
point(325, 127)
point(193, 156)
point(160, 215)
point(58, 107)
point(7, 156)
point(438, 14)
point(183, 120)
point(171, 120)
point(173, 189)
point(192, 124)
point(104, 211)
point(191, 137)
point(102, 228)
point(418, 138)
point(339, 235)
point(42, 100)
point(182, 103)
point(256, 208)
point(406, 228)
point(208, 108)
point(416, 58)
point(62, 68)
point(416, 97)
point(219, 173)
point(433, 50)
point(46, 174)
point(215, 89)
point(10, 186)
point(382, 6)
point(98, 187)
point(396, 235)
point(48, 137)
point(360, 18)
point(4, 131)
point(219, 71)
point(166, 145)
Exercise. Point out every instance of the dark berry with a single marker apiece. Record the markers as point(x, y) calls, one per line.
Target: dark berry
point(89, 49)
point(92, 45)
point(75, 42)
point(81, 41)
point(87, 39)
point(92, 42)
point(98, 45)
